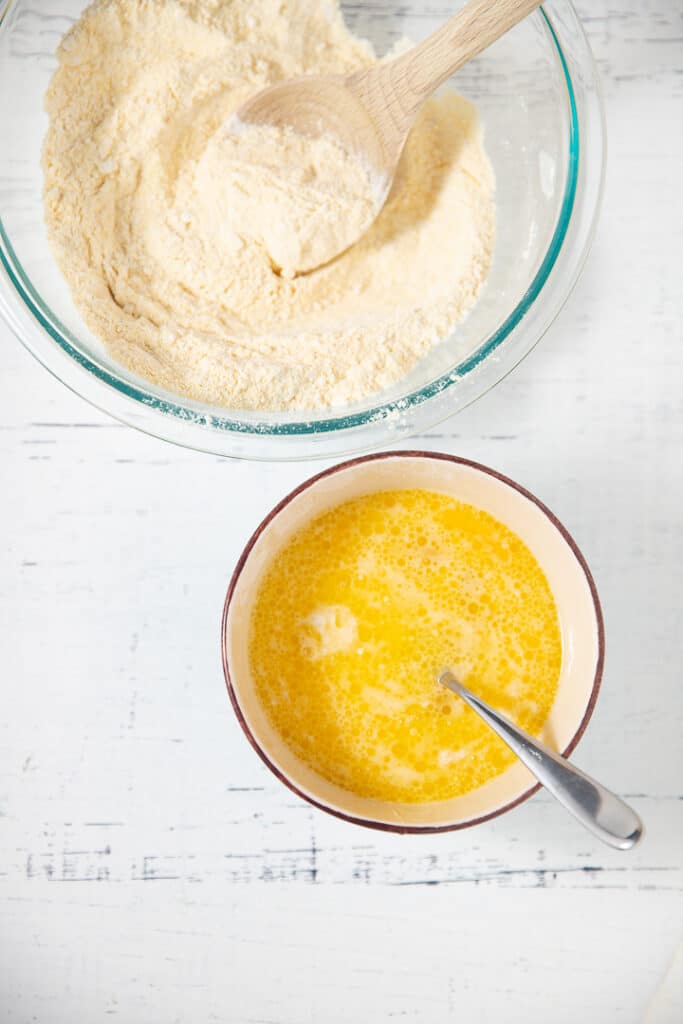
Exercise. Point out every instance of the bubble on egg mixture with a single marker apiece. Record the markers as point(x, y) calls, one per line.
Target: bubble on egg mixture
point(361, 609)
point(327, 630)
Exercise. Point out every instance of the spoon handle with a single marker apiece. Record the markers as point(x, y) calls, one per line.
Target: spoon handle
point(598, 809)
point(474, 28)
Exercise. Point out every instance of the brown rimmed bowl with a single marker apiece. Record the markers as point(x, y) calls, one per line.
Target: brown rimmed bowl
point(567, 573)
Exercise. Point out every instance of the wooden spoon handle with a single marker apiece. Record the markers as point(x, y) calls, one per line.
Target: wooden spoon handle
point(394, 92)
point(479, 24)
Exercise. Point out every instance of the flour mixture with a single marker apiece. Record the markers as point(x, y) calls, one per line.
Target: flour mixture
point(302, 200)
point(181, 243)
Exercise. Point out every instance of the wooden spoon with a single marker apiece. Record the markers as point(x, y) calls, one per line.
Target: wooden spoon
point(371, 112)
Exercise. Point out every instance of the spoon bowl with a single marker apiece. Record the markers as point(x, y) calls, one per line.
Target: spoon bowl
point(317, 105)
point(370, 113)
point(598, 809)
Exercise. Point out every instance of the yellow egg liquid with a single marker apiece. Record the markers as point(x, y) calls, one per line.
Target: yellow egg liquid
point(360, 611)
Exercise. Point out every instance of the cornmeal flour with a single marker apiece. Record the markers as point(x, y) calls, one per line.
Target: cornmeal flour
point(146, 191)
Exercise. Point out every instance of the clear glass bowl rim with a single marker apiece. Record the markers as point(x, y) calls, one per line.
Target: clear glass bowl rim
point(208, 420)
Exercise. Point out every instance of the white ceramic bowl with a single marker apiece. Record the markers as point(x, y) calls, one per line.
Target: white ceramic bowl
point(567, 573)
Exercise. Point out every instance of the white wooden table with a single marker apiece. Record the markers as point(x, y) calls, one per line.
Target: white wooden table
point(151, 870)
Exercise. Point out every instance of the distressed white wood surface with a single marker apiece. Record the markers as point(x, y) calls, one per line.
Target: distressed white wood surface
point(152, 870)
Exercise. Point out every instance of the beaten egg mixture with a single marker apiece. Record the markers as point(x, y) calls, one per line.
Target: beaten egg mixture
point(360, 611)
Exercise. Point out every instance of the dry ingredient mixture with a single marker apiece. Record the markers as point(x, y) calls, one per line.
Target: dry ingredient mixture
point(180, 240)
point(302, 200)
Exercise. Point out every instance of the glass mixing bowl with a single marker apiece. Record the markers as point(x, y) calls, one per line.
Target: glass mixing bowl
point(539, 98)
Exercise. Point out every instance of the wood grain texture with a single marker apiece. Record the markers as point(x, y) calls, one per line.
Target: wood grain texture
point(392, 93)
point(372, 111)
point(151, 870)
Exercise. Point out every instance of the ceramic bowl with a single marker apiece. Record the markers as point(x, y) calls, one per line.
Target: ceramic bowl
point(567, 573)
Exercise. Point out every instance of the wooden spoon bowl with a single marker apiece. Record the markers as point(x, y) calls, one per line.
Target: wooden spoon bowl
point(370, 112)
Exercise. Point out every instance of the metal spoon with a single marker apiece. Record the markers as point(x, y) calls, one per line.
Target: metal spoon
point(371, 112)
point(599, 810)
